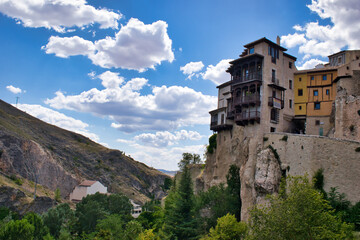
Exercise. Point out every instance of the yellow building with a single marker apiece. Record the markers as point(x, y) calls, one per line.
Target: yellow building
point(315, 92)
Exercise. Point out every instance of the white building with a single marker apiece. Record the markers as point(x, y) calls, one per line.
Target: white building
point(85, 188)
point(136, 211)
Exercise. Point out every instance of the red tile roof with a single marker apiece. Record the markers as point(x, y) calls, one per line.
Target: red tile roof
point(87, 183)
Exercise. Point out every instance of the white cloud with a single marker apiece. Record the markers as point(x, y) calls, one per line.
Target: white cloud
point(165, 108)
point(13, 89)
point(322, 40)
point(293, 40)
point(111, 79)
point(164, 158)
point(217, 74)
point(136, 46)
point(191, 68)
point(69, 46)
point(311, 64)
point(165, 138)
point(58, 14)
point(58, 119)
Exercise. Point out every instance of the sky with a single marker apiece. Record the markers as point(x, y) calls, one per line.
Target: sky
point(140, 76)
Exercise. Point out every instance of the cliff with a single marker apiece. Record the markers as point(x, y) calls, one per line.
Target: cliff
point(61, 159)
point(261, 166)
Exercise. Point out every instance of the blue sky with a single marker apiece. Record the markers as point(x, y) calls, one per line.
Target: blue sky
point(141, 76)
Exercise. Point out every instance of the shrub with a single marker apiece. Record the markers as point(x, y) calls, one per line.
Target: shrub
point(265, 139)
point(357, 149)
point(212, 143)
point(284, 138)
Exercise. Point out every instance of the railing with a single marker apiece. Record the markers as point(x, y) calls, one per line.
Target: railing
point(247, 99)
point(248, 115)
point(276, 103)
point(248, 77)
point(275, 81)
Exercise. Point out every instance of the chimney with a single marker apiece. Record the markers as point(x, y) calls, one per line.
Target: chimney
point(278, 40)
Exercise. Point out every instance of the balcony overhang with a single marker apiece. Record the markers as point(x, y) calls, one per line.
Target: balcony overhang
point(273, 85)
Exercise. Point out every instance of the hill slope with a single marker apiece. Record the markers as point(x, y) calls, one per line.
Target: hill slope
point(59, 158)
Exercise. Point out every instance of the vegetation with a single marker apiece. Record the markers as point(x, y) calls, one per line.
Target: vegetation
point(189, 158)
point(212, 144)
point(57, 195)
point(284, 138)
point(301, 210)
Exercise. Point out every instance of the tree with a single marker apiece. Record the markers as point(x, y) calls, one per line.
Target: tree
point(180, 222)
point(39, 228)
point(189, 158)
point(15, 230)
point(60, 217)
point(148, 235)
point(299, 213)
point(113, 224)
point(212, 144)
point(227, 228)
point(132, 230)
point(57, 195)
point(234, 189)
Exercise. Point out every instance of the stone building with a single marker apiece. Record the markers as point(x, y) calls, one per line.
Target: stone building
point(85, 188)
point(259, 94)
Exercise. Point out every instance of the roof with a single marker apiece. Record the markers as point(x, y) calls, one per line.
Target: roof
point(264, 39)
point(246, 57)
point(87, 183)
point(290, 56)
point(324, 69)
point(225, 84)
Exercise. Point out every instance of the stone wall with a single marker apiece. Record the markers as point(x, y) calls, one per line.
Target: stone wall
point(301, 154)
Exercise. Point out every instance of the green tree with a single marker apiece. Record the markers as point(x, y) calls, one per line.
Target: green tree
point(227, 228)
point(234, 189)
point(180, 222)
point(300, 213)
point(113, 224)
point(60, 217)
point(132, 230)
point(148, 235)
point(40, 230)
point(88, 216)
point(57, 195)
point(212, 144)
point(16, 230)
point(119, 204)
point(189, 158)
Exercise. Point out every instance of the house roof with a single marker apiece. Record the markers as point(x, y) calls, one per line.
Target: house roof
point(87, 183)
point(264, 40)
point(314, 70)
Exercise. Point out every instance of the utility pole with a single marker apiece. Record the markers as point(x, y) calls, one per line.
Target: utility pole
point(17, 100)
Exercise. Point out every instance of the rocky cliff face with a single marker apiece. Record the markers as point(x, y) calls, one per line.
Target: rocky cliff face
point(57, 158)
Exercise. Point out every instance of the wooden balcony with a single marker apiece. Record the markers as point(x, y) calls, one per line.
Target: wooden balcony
point(276, 103)
point(215, 126)
point(247, 117)
point(253, 99)
point(247, 78)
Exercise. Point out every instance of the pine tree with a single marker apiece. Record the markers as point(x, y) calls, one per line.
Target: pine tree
point(180, 221)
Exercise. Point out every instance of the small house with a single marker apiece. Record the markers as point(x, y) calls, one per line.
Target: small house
point(85, 188)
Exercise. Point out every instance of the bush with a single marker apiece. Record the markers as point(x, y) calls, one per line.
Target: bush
point(284, 138)
point(212, 143)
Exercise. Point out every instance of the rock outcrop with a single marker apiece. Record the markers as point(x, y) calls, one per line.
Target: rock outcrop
point(57, 158)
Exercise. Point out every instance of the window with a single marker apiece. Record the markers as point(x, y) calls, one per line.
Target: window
point(299, 79)
point(327, 91)
point(290, 64)
point(300, 107)
point(274, 53)
point(251, 50)
point(273, 75)
point(317, 106)
point(290, 84)
point(290, 103)
point(312, 77)
point(324, 77)
point(339, 60)
point(300, 92)
point(274, 115)
point(272, 129)
point(317, 122)
point(316, 93)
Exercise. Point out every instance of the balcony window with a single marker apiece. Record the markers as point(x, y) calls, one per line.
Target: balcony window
point(312, 78)
point(274, 115)
point(327, 92)
point(316, 93)
point(324, 77)
point(251, 51)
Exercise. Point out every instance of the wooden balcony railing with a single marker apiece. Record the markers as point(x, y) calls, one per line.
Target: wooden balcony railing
point(248, 115)
point(245, 100)
point(247, 78)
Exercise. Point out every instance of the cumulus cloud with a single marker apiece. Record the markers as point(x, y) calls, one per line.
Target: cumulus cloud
point(13, 89)
point(165, 138)
point(217, 74)
point(58, 119)
point(165, 108)
point(191, 68)
point(311, 64)
point(58, 14)
point(322, 40)
point(111, 79)
point(136, 46)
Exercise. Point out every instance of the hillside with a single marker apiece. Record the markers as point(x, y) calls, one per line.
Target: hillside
point(61, 159)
